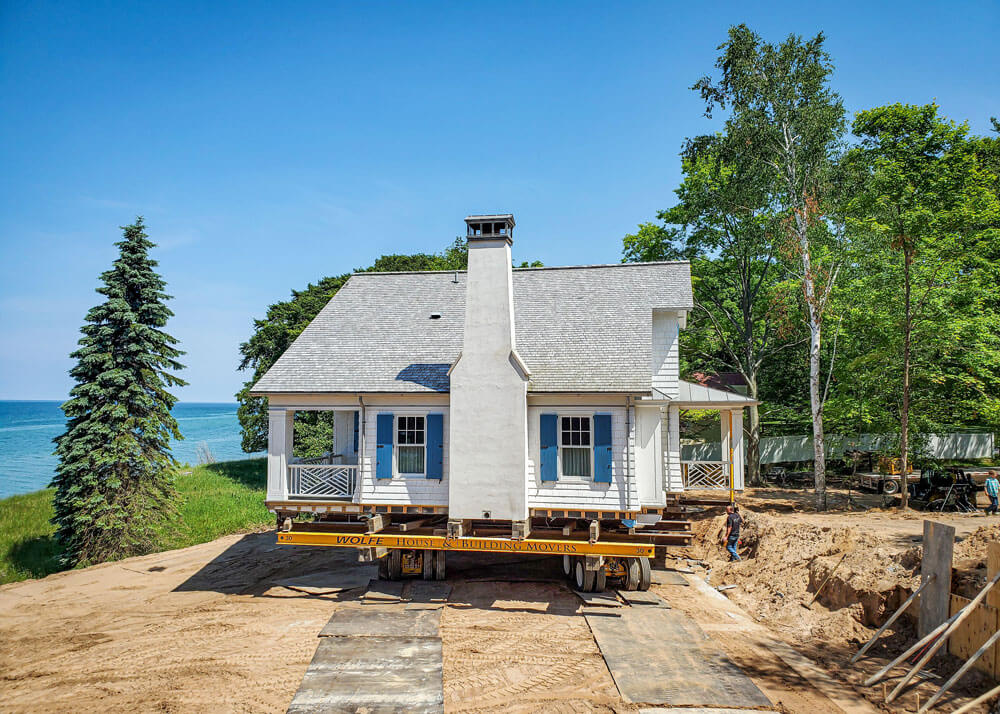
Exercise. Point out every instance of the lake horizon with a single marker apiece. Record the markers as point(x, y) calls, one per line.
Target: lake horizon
point(28, 426)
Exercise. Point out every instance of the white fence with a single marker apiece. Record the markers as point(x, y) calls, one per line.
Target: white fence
point(337, 481)
point(779, 449)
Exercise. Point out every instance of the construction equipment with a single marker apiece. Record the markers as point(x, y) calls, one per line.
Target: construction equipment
point(941, 489)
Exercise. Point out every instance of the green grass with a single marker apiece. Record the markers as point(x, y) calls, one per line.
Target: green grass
point(215, 500)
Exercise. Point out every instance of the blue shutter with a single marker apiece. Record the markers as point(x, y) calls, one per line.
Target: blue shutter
point(602, 448)
point(435, 446)
point(356, 429)
point(548, 435)
point(383, 446)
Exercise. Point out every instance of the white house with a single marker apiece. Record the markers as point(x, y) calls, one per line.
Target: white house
point(497, 393)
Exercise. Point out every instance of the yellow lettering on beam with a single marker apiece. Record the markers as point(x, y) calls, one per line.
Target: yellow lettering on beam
point(552, 547)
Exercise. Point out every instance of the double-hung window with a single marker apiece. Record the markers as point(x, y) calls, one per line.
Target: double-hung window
point(575, 446)
point(411, 445)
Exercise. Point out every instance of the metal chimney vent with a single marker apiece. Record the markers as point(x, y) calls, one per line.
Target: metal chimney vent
point(498, 226)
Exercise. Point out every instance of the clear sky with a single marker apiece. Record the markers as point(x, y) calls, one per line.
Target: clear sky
point(270, 144)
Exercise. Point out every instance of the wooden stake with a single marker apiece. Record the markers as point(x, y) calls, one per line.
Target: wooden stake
point(977, 701)
point(820, 588)
point(962, 670)
point(895, 616)
point(920, 643)
point(961, 615)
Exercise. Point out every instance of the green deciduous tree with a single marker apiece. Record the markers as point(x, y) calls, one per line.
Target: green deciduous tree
point(114, 480)
point(787, 122)
point(929, 210)
point(725, 224)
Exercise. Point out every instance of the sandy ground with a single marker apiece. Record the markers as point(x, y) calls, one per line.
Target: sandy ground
point(204, 628)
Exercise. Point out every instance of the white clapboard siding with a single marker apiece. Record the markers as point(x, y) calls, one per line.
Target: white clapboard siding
point(401, 490)
point(571, 492)
point(666, 357)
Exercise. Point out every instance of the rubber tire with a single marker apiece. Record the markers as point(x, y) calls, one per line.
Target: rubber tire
point(429, 562)
point(633, 572)
point(567, 563)
point(583, 579)
point(600, 580)
point(439, 565)
point(395, 559)
point(645, 573)
point(383, 567)
point(890, 487)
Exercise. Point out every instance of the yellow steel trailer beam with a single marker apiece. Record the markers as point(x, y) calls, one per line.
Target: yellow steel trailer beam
point(488, 545)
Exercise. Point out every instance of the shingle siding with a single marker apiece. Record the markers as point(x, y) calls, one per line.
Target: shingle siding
point(582, 329)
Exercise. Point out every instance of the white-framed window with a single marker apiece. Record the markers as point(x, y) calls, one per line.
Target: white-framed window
point(576, 446)
point(411, 445)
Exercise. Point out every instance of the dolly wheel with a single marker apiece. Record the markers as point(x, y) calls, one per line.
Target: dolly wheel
point(567, 563)
point(600, 580)
point(429, 561)
point(439, 572)
point(395, 559)
point(383, 567)
point(645, 573)
point(583, 579)
point(633, 573)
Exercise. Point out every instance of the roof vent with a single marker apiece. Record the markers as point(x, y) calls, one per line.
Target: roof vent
point(498, 226)
point(435, 315)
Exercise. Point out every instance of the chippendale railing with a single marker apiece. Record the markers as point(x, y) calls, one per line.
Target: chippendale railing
point(706, 474)
point(322, 480)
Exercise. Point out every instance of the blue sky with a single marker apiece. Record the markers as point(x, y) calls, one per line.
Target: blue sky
point(271, 144)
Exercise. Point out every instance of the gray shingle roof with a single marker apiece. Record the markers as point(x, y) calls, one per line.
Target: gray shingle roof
point(578, 329)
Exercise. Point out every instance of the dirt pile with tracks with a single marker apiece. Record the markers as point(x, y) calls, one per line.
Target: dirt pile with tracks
point(786, 562)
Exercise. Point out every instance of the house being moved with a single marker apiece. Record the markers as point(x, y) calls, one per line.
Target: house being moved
point(498, 397)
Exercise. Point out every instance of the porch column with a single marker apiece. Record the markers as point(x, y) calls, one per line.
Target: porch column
point(280, 429)
point(672, 451)
point(736, 441)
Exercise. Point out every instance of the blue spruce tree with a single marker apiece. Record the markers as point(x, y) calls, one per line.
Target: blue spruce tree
point(114, 482)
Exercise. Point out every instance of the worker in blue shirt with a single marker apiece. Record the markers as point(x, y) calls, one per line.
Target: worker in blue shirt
point(992, 487)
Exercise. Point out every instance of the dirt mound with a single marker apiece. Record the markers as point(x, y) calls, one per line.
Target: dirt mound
point(786, 563)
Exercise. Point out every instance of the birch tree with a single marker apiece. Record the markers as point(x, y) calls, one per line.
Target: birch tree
point(786, 119)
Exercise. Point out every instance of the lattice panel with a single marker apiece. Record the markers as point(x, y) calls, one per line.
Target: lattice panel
point(322, 480)
point(708, 475)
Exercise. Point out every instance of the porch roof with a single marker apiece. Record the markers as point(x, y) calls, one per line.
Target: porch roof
point(578, 329)
point(692, 394)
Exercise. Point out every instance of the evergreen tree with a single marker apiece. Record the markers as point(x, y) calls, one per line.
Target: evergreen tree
point(114, 481)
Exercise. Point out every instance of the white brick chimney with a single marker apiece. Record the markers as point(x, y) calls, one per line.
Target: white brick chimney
point(488, 403)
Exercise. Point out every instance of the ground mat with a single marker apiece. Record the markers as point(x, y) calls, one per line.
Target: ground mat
point(376, 675)
point(661, 656)
point(376, 621)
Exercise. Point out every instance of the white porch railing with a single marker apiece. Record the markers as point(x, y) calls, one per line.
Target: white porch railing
point(307, 480)
point(708, 475)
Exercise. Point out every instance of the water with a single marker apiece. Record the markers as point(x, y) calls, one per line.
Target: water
point(27, 430)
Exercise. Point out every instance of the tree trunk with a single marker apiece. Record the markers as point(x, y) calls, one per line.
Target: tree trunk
point(904, 419)
point(753, 437)
point(816, 405)
point(815, 338)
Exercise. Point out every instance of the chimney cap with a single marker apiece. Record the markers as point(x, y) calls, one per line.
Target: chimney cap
point(490, 226)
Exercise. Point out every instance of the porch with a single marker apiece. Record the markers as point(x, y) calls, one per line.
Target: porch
point(332, 476)
point(709, 431)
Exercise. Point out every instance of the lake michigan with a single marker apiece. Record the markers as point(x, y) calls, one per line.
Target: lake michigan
point(27, 430)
